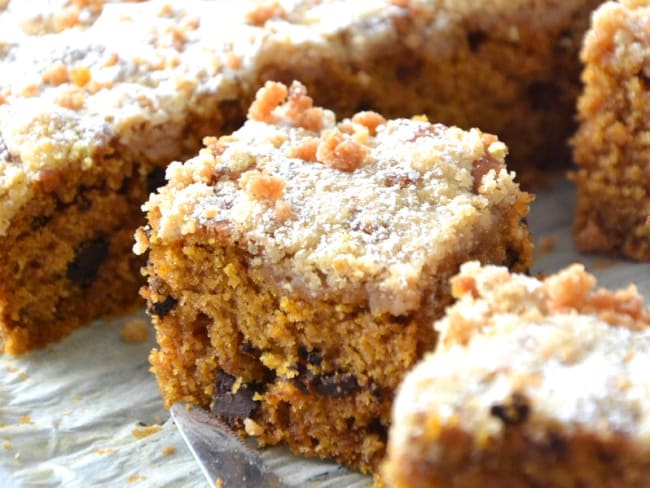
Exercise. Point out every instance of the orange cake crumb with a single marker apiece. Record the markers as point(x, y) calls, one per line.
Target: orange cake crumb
point(134, 331)
point(142, 432)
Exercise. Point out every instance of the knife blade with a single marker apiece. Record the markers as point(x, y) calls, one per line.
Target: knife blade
point(221, 455)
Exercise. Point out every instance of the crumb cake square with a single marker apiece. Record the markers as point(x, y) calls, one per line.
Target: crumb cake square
point(295, 266)
point(533, 383)
point(611, 146)
point(89, 119)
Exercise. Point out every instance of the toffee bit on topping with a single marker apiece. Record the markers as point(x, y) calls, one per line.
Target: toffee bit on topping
point(234, 61)
point(80, 75)
point(340, 152)
point(369, 119)
point(56, 74)
point(483, 166)
point(305, 150)
point(262, 186)
point(463, 285)
point(266, 100)
point(71, 98)
point(488, 139)
point(264, 12)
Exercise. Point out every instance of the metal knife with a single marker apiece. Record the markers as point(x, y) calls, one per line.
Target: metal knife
point(222, 456)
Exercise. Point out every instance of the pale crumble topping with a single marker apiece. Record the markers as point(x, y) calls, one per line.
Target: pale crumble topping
point(132, 66)
point(371, 217)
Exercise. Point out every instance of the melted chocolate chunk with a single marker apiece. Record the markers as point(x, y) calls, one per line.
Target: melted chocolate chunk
point(557, 447)
point(312, 357)
point(155, 179)
point(89, 257)
point(161, 309)
point(234, 407)
point(543, 95)
point(40, 221)
point(514, 412)
point(475, 39)
point(376, 427)
point(336, 385)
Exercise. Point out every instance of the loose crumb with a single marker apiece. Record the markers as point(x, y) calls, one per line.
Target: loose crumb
point(25, 419)
point(102, 452)
point(136, 477)
point(252, 427)
point(6, 445)
point(142, 432)
point(168, 450)
point(602, 263)
point(218, 483)
point(546, 245)
point(134, 331)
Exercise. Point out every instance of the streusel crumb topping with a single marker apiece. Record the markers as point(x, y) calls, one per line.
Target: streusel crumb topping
point(363, 205)
point(488, 295)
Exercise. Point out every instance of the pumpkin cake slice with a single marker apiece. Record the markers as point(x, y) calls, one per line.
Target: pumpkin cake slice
point(533, 383)
point(295, 266)
point(612, 145)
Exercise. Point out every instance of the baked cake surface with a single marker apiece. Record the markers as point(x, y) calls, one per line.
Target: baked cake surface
point(611, 145)
point(97, 97)
point(295, 266)
point(533, 383)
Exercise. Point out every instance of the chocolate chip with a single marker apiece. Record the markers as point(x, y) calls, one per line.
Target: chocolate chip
point(475, 39)
point(161, 309)
point(543, 95)
point(40, 221)
point(514, 412)
point(410, 70)
point(402, 319)
point(378, 428)
point(557, 446)
point(89, 257)
point(336, 385)
point(248, 350)
point(312, 357)
point(234, 407)
point(83, 203)
point(155, 179)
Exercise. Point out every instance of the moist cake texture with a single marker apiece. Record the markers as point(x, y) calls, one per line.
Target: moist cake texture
point(533, 383)
point(611, 145)
point(96, 98)
point(89, 119)
point(295, 266)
